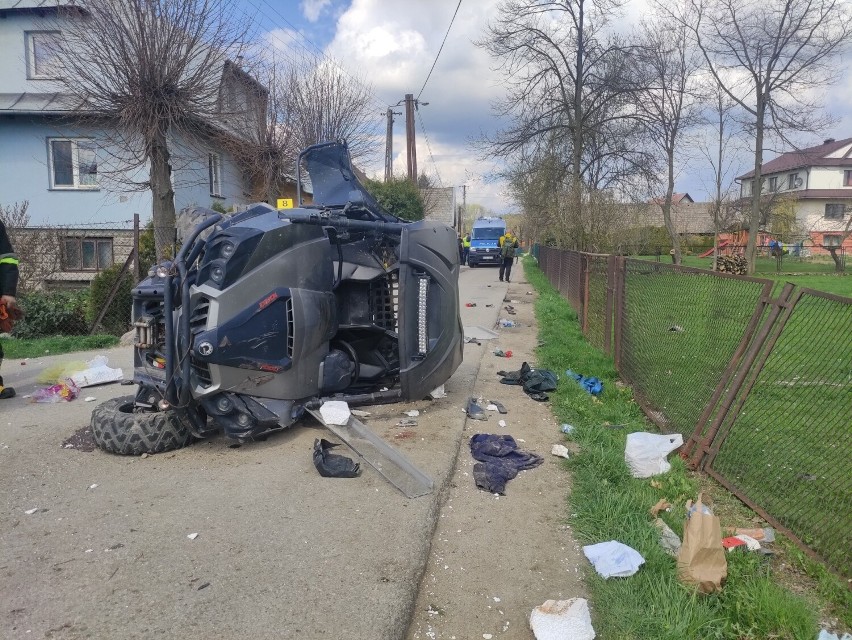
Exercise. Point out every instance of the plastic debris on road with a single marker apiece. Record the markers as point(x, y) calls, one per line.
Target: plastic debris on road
point(562, 619)
point(567, 428)
point(668, 538)
point(192, 536)
point(438, 392)
point(613, 559)
point(560, 450)
point(335, 412)
point(332, 465)
point(826, 635)
point(412, 413)
point(97, 372)
point(474, 411)
point(66, 391)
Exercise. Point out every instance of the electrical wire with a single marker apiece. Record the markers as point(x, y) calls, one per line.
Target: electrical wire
point(439, 50)
point(429, 148)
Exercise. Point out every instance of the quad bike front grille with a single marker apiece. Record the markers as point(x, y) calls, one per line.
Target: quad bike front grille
point(197, 324)
point(384, 301)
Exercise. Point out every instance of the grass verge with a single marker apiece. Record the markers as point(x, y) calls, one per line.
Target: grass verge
point(55, 345)
point(607, 503)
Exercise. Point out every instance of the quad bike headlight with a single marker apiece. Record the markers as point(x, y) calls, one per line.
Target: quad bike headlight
point(227, 250)
point(217, 273)
point(422, 324)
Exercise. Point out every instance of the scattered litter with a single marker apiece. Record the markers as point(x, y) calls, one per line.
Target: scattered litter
point(535, 382)
point(474, 411)
point(732, 542)
point(560, 619)
point(591, 384)
point(192, 536)
point(676, 328)
point(529, 293)
point(668, 538)
point(203, 586)
point(89, 399)
point(701, 561)
point(560, 450)
point(491, 407)
point(613, 559)
point(567, 428)
point(662, 505)
point(332, 465)
point(507, 323)
point(500, 460)
point(438, 392)
point(407, 422)
point(472, 341)
point(144, 455)
point(766, 534)
point(500, 407)
point(502, 354)
point(97, 372)
point(470, 304)
point(645, 453)
point(501, 423)
point(30, 512)
point(88, 550)
point(63, 391)
point(335, 412)
point(487, 636)
point(489, 305)
point(825, 635)
point(412, 413)
point(360, 414)
point(93, 486)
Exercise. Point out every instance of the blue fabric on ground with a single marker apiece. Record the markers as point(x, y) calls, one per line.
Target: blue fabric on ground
point(500, 460)
point(591, 384)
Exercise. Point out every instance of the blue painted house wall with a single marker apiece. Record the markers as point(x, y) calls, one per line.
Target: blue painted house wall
point(24, 139)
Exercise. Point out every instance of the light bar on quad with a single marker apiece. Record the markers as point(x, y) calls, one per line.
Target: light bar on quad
point(422, 321)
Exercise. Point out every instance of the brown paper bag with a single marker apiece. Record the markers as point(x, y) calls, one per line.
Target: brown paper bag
point(701, 561)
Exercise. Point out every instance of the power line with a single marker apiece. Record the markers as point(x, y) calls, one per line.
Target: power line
point(429, 147)
point(439, 50)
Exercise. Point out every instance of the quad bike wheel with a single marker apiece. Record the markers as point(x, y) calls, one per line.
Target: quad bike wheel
point(118, 429)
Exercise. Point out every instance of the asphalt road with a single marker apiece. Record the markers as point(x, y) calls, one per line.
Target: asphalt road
point(280, 553)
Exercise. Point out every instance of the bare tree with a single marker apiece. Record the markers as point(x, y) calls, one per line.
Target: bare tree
point(570, 97)
point(152, 70)
point(770, 56)
point(671, 100)
point(324, 103)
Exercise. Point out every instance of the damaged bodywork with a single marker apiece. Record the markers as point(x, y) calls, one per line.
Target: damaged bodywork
point(265, 313)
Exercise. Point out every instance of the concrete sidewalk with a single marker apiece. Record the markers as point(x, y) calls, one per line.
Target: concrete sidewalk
point(280, 551)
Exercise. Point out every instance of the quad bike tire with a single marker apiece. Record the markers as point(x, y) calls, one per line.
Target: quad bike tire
point(118, 429)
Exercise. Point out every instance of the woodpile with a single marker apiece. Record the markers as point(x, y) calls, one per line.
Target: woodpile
point(732, 264)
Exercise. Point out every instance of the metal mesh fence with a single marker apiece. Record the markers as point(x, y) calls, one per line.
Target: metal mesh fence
point(762, 386)
point(786, 448)
point(679, 330)
point(597, 317)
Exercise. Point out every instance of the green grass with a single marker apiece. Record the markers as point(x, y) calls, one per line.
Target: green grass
point(818, 275)
point(607, 503)
point(55, 345)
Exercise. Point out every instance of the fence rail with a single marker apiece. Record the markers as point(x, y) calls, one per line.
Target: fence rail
point(760, 386)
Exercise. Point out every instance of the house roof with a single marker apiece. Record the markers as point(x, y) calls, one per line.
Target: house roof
point(687, 217)
point(810, 157)
point(37, 103)
point(677, 198)
point(824, 194)
point(23, 5)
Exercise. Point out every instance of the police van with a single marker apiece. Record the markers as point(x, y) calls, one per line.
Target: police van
point(484, 241)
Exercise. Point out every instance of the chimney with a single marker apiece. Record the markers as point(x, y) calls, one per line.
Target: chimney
point(828, 141)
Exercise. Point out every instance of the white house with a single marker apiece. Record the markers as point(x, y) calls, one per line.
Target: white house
point(818, 183)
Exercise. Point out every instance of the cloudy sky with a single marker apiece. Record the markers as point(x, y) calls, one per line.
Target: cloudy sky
point(392, 44)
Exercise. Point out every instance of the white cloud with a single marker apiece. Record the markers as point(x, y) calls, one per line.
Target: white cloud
point(312, 9)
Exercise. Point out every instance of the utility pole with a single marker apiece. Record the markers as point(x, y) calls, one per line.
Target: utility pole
point(411, 149)
point(464, 208)
point(389, 144)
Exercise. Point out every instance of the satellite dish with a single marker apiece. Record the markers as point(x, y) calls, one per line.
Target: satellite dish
point(797, 183)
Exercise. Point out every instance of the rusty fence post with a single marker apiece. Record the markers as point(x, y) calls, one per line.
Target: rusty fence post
point(584, 266)
point(610, 292)
point(620, 274)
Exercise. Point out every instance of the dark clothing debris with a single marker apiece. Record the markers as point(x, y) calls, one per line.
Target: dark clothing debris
point(500, 460)
point(536, 382)
point(331, 465)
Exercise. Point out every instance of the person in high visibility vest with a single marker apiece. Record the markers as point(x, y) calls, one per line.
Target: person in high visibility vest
point(8, 290)
point(466, 245)
point(508, 245)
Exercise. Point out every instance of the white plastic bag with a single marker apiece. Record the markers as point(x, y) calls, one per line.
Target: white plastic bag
point(335, 412)
point(560, 619)
point(646, 453)
point(96, 372)
point(614, 559)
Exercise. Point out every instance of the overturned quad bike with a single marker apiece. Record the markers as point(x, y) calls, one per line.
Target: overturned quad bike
point(267, 313)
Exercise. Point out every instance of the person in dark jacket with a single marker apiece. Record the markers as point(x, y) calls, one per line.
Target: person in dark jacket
point(8, 290)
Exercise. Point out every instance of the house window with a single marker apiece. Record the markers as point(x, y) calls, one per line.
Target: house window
point(834, 211)
point(773, 184)
point(794, 181)
point(87, 254)
point(42, 54)
point(831, 240)
point(73, 163)
point(215, 170)
point(847, 178)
